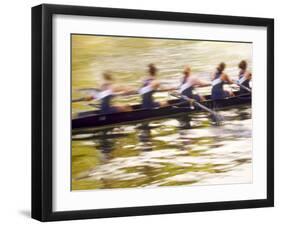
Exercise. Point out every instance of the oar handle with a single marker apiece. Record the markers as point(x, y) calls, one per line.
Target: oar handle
point(78, 100)
point(89, 89)
point(198, 104)
point(193, 101)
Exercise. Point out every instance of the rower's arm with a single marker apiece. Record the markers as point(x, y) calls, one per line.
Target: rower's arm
point(213, 76)
point(119, 89)
point(168, 89)
point(122, 90)
point(159, 87)
point(226, 78)
point(82, 99)
point(155, 85)
point(201, 83)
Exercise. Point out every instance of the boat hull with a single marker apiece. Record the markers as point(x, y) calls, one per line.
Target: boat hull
point(94, 120)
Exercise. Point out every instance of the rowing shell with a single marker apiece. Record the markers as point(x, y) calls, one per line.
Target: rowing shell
point(94, 120)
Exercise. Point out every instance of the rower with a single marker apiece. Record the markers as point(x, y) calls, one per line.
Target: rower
point(150, 85)
point(189, 83)
point(244, 77)
point(107, 92)
point(219, 78)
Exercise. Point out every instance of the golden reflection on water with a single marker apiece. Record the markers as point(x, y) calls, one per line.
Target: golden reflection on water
point(163, 152)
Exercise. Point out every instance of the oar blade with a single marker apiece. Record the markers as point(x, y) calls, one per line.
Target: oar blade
point(217, 119)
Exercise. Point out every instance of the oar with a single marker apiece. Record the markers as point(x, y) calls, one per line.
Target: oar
point(78, 100)
point(218, 118)
point(89, 89)
point(89, 92)
point(82, 99)
point(242, 86)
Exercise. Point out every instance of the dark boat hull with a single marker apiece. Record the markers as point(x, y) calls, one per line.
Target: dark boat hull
point(92, 119)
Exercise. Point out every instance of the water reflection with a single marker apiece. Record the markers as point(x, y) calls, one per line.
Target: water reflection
point(179, 151)
point(182, 124)
point(145, 138)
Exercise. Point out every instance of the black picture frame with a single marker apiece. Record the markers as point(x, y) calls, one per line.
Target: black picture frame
point(42, 107)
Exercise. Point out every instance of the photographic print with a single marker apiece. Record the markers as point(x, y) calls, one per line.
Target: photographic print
point(152, 112)
point(138, 112)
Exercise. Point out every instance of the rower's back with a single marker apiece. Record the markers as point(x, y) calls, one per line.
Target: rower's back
point(147, 90)
point(244, 81)
point(244, 77)
point(217, 84)
point(105, 97)
point(186, 87)
point(106, 94)
point(217, 87)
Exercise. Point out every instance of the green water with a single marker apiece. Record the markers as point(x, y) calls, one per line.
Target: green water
point(180, 151)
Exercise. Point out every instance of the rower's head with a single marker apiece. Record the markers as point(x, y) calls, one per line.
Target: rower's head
point(243, 65)
point(107, 76)
point(186, 70)
point(152, 69)
point(221, 67)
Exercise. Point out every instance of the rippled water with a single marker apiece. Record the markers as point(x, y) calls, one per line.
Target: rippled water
point(187, 150)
